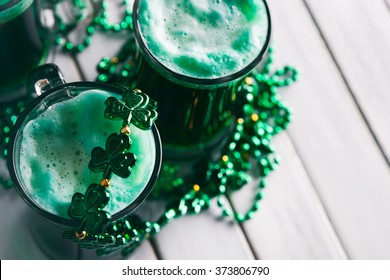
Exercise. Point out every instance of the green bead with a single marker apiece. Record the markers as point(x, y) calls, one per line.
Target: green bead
point(59, 41)
point(90, 30)
point(103, 78)
point(256, 206)
point(117, 27)
point(259, 196)
point(69, 46)
point(239, 217)
point(170, 214)
point(226, 213)
point(87, 41)
point(124, 25)
point(249, 215)
point(256, 141)
point(80, 48)
point(13, 119)
point(124, 73)
point(262, 184)
point(232, 146)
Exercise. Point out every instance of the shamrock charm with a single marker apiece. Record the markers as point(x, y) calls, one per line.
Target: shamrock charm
point(135, 107)
point(88, 209)
point(114, 158)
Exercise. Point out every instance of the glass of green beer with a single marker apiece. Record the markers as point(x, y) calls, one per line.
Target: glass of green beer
point(51, 149)
point(192, 55)
point(24, 45)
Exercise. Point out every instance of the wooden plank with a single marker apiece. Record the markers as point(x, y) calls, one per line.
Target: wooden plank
point(387, 2)
point(144, 252)
point(336, 147)
point(16, 242)
point(66, 65)
point(204, 236)
point(291, 223)
point(362, 54)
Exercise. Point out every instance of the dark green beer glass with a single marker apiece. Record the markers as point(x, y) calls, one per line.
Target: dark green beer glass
point(195, 114)
point(23, 45)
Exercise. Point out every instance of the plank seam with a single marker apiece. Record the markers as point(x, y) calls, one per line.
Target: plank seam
point(156, 249)
point(242, 228)
point(387, 3)
point(321, 202)
point(78, 67)
point(347, 84)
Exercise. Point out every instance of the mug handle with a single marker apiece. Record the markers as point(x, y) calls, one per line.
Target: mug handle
point(46, 77)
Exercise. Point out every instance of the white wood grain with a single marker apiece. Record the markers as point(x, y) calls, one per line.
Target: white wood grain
point(16, 242)
point(204, 236)
point(357, 32)
point(337, 149)
point(66, 65)
point(387, 2)
point(291, 222)
point(143, 252)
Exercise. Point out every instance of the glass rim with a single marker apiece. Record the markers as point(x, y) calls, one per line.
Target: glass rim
point(6, 4)
point(9, 9)
point(32, 203)
point(192, 81)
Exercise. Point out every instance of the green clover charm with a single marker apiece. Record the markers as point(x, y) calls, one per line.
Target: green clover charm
point(88, 209)
point(135, 107)
point(114, 158)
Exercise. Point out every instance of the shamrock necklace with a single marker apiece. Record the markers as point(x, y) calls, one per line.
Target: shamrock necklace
point(136, 108)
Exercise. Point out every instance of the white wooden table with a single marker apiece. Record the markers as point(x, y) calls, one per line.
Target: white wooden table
point(329, 198)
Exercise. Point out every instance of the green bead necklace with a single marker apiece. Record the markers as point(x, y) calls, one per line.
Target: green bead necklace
point(98, 19)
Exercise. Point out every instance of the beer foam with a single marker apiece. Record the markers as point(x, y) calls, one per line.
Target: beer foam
point(56, 149)
point(202, 38)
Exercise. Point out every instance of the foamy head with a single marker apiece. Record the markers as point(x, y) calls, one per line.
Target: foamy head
point(204, 39)
point(56, 148)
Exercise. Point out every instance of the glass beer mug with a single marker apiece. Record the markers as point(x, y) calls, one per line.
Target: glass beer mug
point(192, 53)
point(62, 144)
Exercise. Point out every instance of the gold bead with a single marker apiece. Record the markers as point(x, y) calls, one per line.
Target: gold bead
point(240, 121)
point(114, 60)
point(196, 187)
point(234, 96)
point(126, 130)
point(225, 158)
point(254, 117)
point(80, 236)
point(249, 81)
point(105, 183)
point(137, 90)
